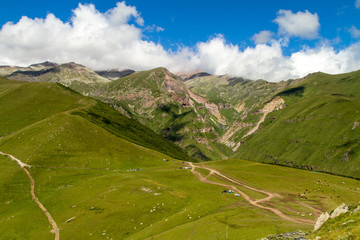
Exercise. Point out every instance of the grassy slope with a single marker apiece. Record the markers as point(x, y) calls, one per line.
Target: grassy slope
point(108, 201)
point(222, 89)
point(315, 129)
point(344, 227)
point(32, 106)
point(158, 103)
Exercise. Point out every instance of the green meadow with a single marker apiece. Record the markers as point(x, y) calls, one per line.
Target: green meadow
point(103, 176)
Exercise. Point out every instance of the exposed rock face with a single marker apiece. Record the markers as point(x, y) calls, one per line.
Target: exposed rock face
point(276, 103)
point(343, 208)
point(212, 107)
point(321, 220)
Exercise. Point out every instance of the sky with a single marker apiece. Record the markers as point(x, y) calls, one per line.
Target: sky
point(272, 40)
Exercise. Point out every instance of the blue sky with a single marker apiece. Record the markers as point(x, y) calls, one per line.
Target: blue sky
point(189, 35)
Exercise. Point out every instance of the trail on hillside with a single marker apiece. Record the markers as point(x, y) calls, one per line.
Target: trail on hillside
point(55, 229)
point(275, 103)
point(255, 203)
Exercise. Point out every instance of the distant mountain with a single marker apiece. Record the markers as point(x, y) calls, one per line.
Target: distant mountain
point(115, 74)
point(51, 72)
point(186, 77)
point(7, 70)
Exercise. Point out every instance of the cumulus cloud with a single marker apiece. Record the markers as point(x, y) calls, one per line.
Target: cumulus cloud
point(115, 39)
point(262, 37)
point(267, 61)
point(355, 33)
point(98, 40)
point(300, 24)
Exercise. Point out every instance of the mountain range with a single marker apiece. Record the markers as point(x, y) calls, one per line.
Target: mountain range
point(112, 154)
point(310, 123)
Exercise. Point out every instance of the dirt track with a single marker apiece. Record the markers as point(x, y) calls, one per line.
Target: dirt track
point(55, 229)
point(255, 203)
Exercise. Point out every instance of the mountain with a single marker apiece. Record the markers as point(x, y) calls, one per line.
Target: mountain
point(240, 101)
point(160, 100)
point(115, 74)
point(98, 174)
point(204, 114)
point(317, 130)
point(30, 109)
point(51, 72)
point(310, 123)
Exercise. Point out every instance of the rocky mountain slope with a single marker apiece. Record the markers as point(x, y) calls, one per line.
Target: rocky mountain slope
point(317, 130)
point(160, 100)
point(309, 123)
point(52, 72)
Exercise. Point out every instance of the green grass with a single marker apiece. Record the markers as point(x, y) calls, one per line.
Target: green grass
point(346, 226)
point(316, 130)
point(204, 172)
point(81, 151)
point(120, 203)
point(49, 119)
point(322, 190)
point(20, 217)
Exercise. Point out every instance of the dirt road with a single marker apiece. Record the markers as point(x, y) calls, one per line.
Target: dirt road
point(55, 229)
point(255, 203)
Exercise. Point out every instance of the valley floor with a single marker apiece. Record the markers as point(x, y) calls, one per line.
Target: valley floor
point(166, 202)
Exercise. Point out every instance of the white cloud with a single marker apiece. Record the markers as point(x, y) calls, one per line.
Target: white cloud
point(115, 39)
point(153, 28)
point(300, 24)
point(262, 37)
point(95, 39)
point(357, 3)
point(268, 61)
point(355, 33)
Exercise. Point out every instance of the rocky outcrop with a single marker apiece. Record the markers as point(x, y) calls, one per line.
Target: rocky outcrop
point(343, 208)
point(321, 220)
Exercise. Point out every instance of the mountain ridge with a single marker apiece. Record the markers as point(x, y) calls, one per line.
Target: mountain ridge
point(218, 117)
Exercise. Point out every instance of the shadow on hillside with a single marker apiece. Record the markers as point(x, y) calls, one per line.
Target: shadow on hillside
point(175, 123)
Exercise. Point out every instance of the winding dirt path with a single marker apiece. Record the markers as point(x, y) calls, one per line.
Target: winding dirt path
point(255, 203)
point(55, 229)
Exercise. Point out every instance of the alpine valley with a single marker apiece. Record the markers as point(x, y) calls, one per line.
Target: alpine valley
point(123, 154)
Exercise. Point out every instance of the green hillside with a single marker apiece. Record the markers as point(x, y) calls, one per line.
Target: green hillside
point(56, 115)
point(81, 152)
point(161, 101)
point(318, 129)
